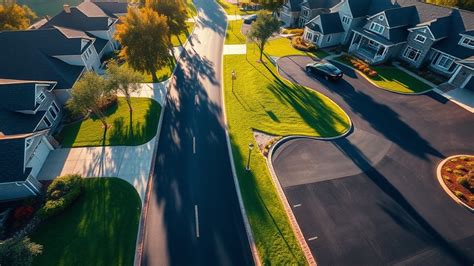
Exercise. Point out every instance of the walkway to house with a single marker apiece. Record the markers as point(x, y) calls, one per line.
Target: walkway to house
point(131, 163)
point(462, 97)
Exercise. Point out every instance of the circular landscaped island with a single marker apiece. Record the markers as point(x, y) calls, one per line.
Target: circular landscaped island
point(456, 175)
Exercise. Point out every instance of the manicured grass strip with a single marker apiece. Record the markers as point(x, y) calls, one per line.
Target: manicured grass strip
point(393, 79)
point(234, 9)
point(192, 12)
point(264, 101)
point(124, 131)
point(181, 39)
point(99, 229)
point(234, 33)
point(282, 47)
point(162, 74)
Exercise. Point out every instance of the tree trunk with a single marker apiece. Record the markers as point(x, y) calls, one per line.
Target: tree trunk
point(129, 103)
point(262, 47)
point(153, 76)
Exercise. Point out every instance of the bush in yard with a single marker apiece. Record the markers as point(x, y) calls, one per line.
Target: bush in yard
point(18, 251)
point(23, 213)
point(302, 45)
point(459, 194)
point(372, 73)
point(60, 194)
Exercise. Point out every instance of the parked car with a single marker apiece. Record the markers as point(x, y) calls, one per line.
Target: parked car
point(250, 19)
point(325, 69)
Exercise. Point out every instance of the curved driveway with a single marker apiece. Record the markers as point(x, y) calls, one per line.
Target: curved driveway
point(372, 197)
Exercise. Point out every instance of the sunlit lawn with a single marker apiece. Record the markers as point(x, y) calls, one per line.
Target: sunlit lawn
point(181, 39)
point(146, 113)
point(234, 9)
point(234, 34)
point(262, 100)
point(393, 79)
point(99, 229)
point(282, 47)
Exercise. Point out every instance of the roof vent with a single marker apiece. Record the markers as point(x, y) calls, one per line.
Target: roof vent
point(67, 8)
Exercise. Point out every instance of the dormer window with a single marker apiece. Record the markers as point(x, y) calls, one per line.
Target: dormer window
point(40, 98)
point(420, 38)
point(467, 42)
point(377, 28)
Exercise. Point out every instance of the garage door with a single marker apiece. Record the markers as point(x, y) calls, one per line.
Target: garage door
point(38, 158)
point(470, 84)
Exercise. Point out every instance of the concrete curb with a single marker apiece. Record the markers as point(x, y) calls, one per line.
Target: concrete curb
point(143, 216)
point(248, 228)
point(332, 58)
point(445, 188)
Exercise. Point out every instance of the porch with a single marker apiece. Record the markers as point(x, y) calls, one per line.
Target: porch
point(368, 48)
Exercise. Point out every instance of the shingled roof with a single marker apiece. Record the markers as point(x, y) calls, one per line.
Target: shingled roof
point(37, 50)
point(315, 4)
point(328, 23)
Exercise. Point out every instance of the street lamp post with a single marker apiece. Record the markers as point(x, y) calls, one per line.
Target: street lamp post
point(250, 153)
point(234, 77)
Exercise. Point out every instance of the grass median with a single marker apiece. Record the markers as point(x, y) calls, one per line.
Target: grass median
point(260, 99)
point(99, 229)
point(125, 130)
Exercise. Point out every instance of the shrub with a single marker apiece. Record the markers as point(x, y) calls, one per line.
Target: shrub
point(18, 251)
point(107, 102)
point(62, 192)
point(298, 32)
point(459, 194)
point(373, 73)
point(463, 181)
point(300, 44)
point(367, 70)
point(23, 213)
point(362, 67)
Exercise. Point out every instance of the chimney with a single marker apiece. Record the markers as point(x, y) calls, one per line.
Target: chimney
point(67, 8)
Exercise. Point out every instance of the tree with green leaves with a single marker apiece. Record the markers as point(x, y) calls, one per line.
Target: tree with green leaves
point(88, 96)
point(123, 80)
point(175, 11)
point(15, 17)
point(18, 251)
point(262, 29)
point(145, 40)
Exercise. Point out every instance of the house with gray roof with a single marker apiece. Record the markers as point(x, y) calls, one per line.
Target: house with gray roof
point(296, 13)
point(325, 30)
point(29, 111)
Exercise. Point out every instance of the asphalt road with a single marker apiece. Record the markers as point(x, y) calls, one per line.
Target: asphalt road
point(194, 216)
point(372, 197)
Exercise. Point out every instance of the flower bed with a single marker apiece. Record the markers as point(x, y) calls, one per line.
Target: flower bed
point(359, 64)
point(458, 175)
point(302, 45)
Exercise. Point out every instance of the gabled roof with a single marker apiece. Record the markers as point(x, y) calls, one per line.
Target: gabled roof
point(438, 27)
point(294, 5)
point(85, 17)
point(14, 123)
point(19, 95)
point(315, 4)
point(401, 16)
point(12, 160)
point(362, 8)
point(113, 8)
point(36, 49)
point(328, 23)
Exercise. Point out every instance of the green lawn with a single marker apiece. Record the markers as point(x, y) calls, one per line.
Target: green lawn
point(99, 229)
point(282, 47)
point(192, 12)
point(87, 133)
point(393, 79)
point(234, 34)
point(262, 100)
point(181, 39)
point(163, 74)
point(234, 9)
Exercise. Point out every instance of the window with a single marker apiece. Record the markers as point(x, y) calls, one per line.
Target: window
point(375, 27)
point(346, 20)
point(381, 17)
point(309, 36)
point(328, 38)
point(55, 107)
point(420, 38)
point(28, 143)
point(52, 113)
point(46, 121)
point(316, 38)
point(467, 42)
point(40, 98)
point(445, 62)
point(412, 54)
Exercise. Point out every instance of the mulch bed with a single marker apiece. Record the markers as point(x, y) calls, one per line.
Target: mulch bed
point(458, 175)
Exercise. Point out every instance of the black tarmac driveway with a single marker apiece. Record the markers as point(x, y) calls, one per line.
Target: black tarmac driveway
point(372, 198)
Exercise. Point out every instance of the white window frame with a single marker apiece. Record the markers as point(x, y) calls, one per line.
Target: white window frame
point(422, 36)
point(346, 20)
point(377, 28)
point(410, 49)
point(40, 98)
point(448, 59)
point(467, 42)
point(45, 118)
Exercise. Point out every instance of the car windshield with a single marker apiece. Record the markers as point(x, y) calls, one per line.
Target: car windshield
point(329, 67)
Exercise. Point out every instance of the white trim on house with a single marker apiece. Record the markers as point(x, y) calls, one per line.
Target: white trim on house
point(376, 27)
point(423, 38)
point(467, 42)
point(411, 54)
point(423, 27)
point(447, 60)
